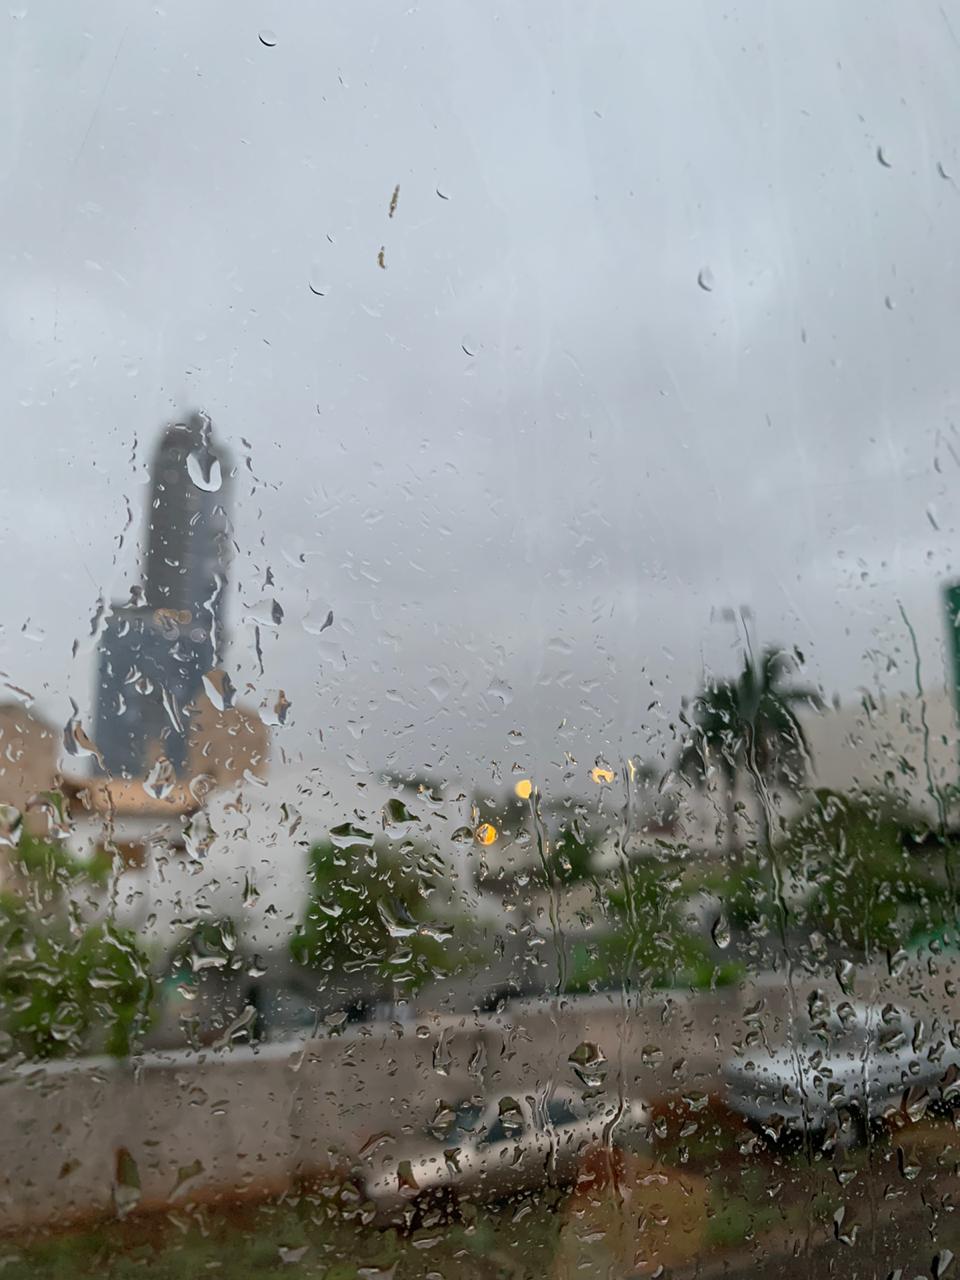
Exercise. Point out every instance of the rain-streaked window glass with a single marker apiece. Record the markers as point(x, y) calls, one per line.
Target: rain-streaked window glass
point(480, 647)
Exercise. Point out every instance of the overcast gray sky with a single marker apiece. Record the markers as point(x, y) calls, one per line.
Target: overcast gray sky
point(528, 461)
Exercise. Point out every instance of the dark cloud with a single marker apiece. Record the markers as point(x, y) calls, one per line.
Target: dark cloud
point(532, 450)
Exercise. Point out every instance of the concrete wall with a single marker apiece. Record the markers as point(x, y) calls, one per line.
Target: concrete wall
point(246, 1121)
point(75, 1138)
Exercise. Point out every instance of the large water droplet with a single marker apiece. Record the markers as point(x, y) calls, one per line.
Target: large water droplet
point(590, 1063)
point(317, 282)
point(218, 688)
point(846, 973)
point(440, 688)
point(720, 932)
point(126, 1186)
point(186, 1173)
point(318, 620)
point(267, 612)
point(347, 836)
point(398, 821)
point(267, 38)
point(290, 1254)
point(705, 279)
point(499, 691)
point(161, 779)
point(203, 468)
point(941, 1262)
point(198, 835)
point(76, 741)
point(11, 824)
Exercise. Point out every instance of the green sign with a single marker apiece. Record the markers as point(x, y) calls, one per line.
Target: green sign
point(951, 603)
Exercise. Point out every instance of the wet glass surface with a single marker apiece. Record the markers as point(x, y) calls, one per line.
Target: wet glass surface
point(479, 731)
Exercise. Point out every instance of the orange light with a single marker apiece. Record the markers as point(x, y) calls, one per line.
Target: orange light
point(600, 775)
point(523, 789)
point(486, 833)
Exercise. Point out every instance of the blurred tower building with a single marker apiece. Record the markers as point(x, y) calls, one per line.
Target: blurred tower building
point(156, 649)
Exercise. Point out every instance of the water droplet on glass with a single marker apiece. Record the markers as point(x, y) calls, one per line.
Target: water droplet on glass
point(317, 282)
point(126, 1186)
point(11, 824)
point(589, 1063)
point(883, 159)
point(291, 1256)
point(499, 691)
point(275, 708)
point(398, 821)
point(267, 38)
point(198, 835)
point(218, 688)
point(318, 620)
point(76, 741)
point(846, 973)
point(266, 613)
point(721, 932)
point(201, 786)
point(386, 1271)
point(941, 1262)
point(486, 833)
point(203, 468)
point(897, 962)
point(161, 779)
point(469, 346)
point(705, 279)
point(440, 688)
point(347, 836)
point(187, 1173)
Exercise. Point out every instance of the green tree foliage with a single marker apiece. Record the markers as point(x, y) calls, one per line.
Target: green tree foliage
point(850, 870)
point(867, 887)
point(66, 986)
point(386, 916)
point(648, 942)
point(49, 869)
point(569, 857)
point(749, 724)
point(64, 992)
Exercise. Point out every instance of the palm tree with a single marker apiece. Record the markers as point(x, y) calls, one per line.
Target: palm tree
point(750, 723)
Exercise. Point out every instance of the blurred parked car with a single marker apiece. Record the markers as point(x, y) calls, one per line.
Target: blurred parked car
point(491, 1149)
point(860, 1060)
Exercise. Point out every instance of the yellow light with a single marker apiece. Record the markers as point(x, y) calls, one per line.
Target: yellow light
point(486, 833)
point(601, 775)
point(523, 789)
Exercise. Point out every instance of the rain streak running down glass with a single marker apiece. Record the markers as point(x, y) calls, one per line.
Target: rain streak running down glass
point(480, 650)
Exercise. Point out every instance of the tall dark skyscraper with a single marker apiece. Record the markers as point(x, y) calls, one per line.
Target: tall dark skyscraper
point(155, 650)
